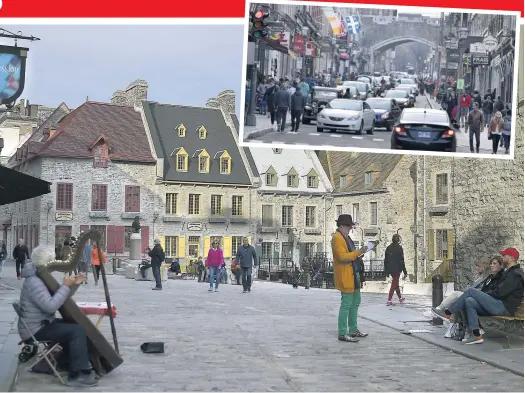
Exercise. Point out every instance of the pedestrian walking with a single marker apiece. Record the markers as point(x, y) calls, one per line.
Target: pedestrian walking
point(304, 89)
point(495, 130)
point(475, 123)
point(498, 105)
point(306, 265)
point(487, 109)
point(347, 278)
point(244, 256)
point(465, 101)
point(85, 259)
point(297, 104)
point(214, 262)
point(270, 102)
point(157, 257)
point(236, 270)
point(3, 257)
point(394, 266)
point(282, 102)
point(247, 99)
point(506, 131)
point(20, 254)
point(95, 260)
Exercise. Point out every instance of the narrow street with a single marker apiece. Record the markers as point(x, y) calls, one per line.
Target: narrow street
point(310, 138)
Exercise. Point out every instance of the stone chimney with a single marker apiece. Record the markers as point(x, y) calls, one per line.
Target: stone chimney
point(137, 92)
point(33, 110)
point(119, 98)
point(226, 101)
point(213, 103)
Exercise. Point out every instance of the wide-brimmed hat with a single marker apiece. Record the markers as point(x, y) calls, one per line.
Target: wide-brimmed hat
point(345, 219)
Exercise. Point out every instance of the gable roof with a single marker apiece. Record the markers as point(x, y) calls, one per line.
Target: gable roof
point(121, 125)
point(284, 163)
point(162, 121)
point(338, 164)
point(246, 150)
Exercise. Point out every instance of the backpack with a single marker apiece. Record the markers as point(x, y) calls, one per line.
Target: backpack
point(457, 331)
point(506, 127)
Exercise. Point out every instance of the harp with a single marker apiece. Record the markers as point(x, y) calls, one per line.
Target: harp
point(104, 358)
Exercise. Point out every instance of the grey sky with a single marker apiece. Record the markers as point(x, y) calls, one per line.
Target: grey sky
point(182, 64)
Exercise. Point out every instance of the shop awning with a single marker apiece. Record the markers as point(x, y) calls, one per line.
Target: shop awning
point(16, 186)
point(274, 44)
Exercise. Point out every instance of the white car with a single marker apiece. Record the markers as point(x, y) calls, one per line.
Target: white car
point(411, 83)
point(347, 115)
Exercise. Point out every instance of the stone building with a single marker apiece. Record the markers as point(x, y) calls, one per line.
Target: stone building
point(290, 205)
point(98, 160)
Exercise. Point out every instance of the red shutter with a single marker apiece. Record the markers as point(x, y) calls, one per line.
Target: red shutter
point(119, 239)
point(84, 228)
point(145, 237)
point(111, 242)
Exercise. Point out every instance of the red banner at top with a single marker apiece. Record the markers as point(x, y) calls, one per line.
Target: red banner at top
point(202, 9)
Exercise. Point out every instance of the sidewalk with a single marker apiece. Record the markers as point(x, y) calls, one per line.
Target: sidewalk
point(9, 338)
point(485, 146)
point(263, 126)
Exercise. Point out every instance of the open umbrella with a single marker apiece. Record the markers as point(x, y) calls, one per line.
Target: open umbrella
point(16, 186)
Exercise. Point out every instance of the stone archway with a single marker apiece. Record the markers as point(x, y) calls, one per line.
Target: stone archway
point(392, 42)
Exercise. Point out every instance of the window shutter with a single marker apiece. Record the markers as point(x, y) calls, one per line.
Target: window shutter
point(144, 231)
point(182, 247)
point(431, 244)
point(227, 247)
point(119, 239)
point(450, 241)
point(111, 241)
point(163, 243)
point(207, 245)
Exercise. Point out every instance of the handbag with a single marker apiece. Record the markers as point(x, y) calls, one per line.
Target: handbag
point(152, 347)
point(489, 136)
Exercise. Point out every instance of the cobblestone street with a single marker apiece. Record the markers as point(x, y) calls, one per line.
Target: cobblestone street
point(272, 339)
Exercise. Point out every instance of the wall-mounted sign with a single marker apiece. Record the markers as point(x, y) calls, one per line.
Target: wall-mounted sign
point(452, 66)
point(194, 226)
point(12, 73)
point(452, 56)
point(490, 43)
point(63, 216)
point(478, 47)
point(480, 60)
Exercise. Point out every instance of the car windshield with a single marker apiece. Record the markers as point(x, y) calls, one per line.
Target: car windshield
point(363, 79)
point(396, 94)
point(319, 94)
point(359, 85)
point(379, 104)
point(425, 118)
point(347, 105)
point(404, 88)
point(407, 81)
point(353, 90)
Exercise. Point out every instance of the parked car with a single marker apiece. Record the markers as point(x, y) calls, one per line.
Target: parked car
point(424, 129)
point(319, 97)
point(347, 115)
point(402, 97)
point(387, 111)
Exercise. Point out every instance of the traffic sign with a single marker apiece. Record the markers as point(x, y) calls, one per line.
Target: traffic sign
point(461, 84)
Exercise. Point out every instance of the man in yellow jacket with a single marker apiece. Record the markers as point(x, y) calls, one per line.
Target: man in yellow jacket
point(347, 267)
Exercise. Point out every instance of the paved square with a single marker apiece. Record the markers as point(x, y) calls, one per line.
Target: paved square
point(272, 339)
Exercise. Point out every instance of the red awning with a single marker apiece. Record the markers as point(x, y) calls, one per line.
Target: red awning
point(274, 44)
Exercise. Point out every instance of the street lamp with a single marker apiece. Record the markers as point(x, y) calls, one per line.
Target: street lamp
point(305, 32)
point(334, 42)
point(463, 33)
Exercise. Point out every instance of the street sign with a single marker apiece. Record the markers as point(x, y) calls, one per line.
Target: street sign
point(480, 60)
point(490, 43)
point(478, 47)
point(461, 84)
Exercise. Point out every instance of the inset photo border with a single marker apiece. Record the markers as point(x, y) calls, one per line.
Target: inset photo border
point(380, 79)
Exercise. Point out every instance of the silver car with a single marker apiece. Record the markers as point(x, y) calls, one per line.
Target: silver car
point(347, 115)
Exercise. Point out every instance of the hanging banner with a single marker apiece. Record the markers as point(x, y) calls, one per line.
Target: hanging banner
point(353, 24)
point(298, 46)
point(12, 73)
point(333, 20)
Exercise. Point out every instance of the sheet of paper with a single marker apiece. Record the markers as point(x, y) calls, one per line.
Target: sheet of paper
point(371, 246)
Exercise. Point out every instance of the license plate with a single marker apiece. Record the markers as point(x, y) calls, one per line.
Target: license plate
point(425, 135)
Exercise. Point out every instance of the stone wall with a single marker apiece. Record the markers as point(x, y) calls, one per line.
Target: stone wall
point(133, 95)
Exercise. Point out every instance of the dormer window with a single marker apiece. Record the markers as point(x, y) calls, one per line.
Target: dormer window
point(100, 156)
point(342, 181)
point(271, 177)
point(368, 178)
point(181, 130)
point(202, 132)
point(292, 179)
point(225, 163)
point(182, 160)
point(312, 179)
point(204, 162)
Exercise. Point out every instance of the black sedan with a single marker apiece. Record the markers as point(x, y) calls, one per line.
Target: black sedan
point(424, 129)
point(387, 111)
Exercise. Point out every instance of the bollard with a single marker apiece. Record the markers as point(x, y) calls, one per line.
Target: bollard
point(437, 296)
point(114, 263)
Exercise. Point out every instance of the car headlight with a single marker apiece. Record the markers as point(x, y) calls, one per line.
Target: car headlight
point(321, 116)
point(385, 115)
point(355, 117)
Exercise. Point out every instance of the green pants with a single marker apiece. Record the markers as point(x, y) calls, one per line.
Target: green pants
point(347, 321)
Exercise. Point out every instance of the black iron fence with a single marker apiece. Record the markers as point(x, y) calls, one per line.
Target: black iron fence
point(321, 276)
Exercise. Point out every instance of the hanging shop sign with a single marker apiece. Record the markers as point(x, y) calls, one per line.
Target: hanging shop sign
point(478, 47)
point(63, 216)
point(12, 73)
point(478, 60)
point(452, 56)
point(490, 43)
